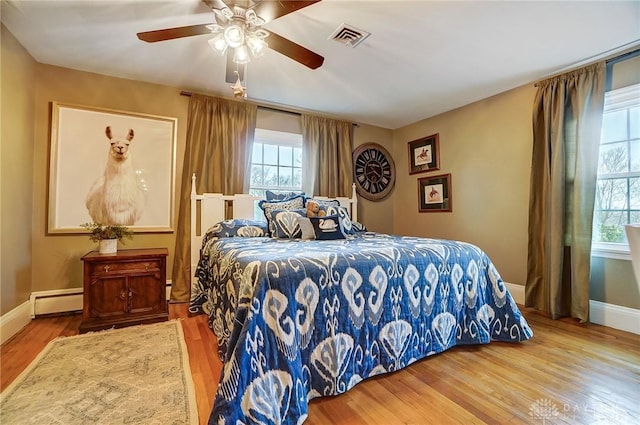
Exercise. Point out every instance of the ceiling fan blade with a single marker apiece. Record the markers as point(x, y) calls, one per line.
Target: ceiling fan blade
point(215, 4)
point(172, 33)
point(270, 10)
point(231, 76)
point(294, 51)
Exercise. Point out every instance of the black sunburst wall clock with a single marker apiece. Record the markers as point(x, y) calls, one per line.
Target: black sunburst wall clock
point(374, 171)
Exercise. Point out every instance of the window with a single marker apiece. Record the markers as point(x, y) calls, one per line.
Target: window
point(618, 186)
point(276, 162)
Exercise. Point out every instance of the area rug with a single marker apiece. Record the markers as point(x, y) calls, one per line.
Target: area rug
point(135, 375)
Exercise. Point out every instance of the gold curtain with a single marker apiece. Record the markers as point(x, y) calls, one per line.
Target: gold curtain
point(326, 161)
point(218, 150)
point(567, 120)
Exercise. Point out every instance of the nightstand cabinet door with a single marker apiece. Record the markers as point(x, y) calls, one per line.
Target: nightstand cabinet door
point(125, 288)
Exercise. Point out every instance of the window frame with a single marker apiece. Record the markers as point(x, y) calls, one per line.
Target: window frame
point(615, 100)
point(277, 138)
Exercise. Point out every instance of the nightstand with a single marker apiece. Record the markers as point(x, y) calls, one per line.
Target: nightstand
point(125, 288)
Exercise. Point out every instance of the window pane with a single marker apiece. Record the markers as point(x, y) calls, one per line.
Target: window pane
point(286, 155)
point(256, 175)
point(270, 175)
point(610, 226)
point(613, 158)
point(611, 194)
point(271, 154)
point(634, 123)
point(286, 176)
point(256, 154)
point(614, 126)
point(635, 217)
point(634, 192)
point(297, 177)
point(297, 157)
point(634, 148)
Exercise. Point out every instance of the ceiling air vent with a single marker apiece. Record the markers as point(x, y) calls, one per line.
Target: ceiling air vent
point(348, 35)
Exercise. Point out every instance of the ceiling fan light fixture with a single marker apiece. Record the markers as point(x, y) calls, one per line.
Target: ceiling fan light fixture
point(234, 35)
point(219, 44)
point(257, 45)
point(241, 55)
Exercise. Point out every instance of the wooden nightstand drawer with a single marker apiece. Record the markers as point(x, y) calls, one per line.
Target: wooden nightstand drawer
point(125, 288)
point(130, 266)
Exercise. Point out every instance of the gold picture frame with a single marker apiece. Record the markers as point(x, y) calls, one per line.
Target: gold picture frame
point(95, 155)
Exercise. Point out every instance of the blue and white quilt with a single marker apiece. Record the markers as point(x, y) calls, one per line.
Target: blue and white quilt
point(299, 319)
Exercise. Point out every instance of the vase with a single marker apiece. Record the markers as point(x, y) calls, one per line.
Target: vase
point(108, 246)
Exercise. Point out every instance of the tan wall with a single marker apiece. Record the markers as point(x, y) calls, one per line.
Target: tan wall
point(16, 171)
point(57, 262)
point(486, 146)
point(377, 216)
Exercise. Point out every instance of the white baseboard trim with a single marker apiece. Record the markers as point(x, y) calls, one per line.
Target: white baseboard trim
point(615, 316)
point(13, 322)
point(610, 315)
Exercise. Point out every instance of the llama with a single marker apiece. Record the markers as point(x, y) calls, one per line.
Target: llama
point(116, 197)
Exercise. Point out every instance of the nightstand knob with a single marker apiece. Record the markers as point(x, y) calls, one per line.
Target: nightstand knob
point(146, 267)
point(106, 269)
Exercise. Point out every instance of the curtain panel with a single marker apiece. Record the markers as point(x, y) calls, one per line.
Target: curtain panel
point(567, 120)
point(326, 160)
point(218, 150)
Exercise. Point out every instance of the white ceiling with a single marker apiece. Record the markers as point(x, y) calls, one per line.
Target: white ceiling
point(422, 58)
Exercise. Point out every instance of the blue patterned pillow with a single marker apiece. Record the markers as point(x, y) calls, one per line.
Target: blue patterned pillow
point(238, 227)
point(342, 213)
point(281, 196)
point(328, 228)
point(358, 227)
point(286, 223)
point(297, 202)
point(323, 202)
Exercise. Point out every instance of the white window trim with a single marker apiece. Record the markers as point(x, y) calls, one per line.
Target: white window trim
point(621, 98)
point(270, 137)
point(613, 251)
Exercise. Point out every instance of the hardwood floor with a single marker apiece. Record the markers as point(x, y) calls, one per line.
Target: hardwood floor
point(569, 373)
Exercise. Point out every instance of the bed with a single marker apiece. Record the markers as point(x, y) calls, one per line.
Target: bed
point(299, 318)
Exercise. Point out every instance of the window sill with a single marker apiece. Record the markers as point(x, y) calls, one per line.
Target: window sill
point(611, 251)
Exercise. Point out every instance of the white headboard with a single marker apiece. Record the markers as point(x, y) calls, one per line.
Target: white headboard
point(208, 209)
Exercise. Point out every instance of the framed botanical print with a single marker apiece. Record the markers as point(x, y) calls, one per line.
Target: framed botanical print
point(424, 154)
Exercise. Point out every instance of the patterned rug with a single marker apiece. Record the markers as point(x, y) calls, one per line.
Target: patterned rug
point(135, 375)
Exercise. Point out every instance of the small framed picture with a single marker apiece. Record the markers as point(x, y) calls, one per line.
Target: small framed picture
point(424, 154)
point(434, 193)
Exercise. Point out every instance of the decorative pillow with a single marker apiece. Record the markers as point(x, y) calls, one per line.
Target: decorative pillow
point(358, 227)
point(286, 223)
point(238, 227)
point(328, 228)
point(297, 202)
point(343, 215)
point(306, 228)
point(324, 202)
point(281, 196)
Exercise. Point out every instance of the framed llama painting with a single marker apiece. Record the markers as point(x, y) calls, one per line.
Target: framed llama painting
point(110, 167)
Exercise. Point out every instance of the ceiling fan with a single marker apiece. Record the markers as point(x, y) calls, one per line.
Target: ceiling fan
point(239, 27)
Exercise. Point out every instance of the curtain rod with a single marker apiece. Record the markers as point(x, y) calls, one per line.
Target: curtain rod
point(270, 108)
